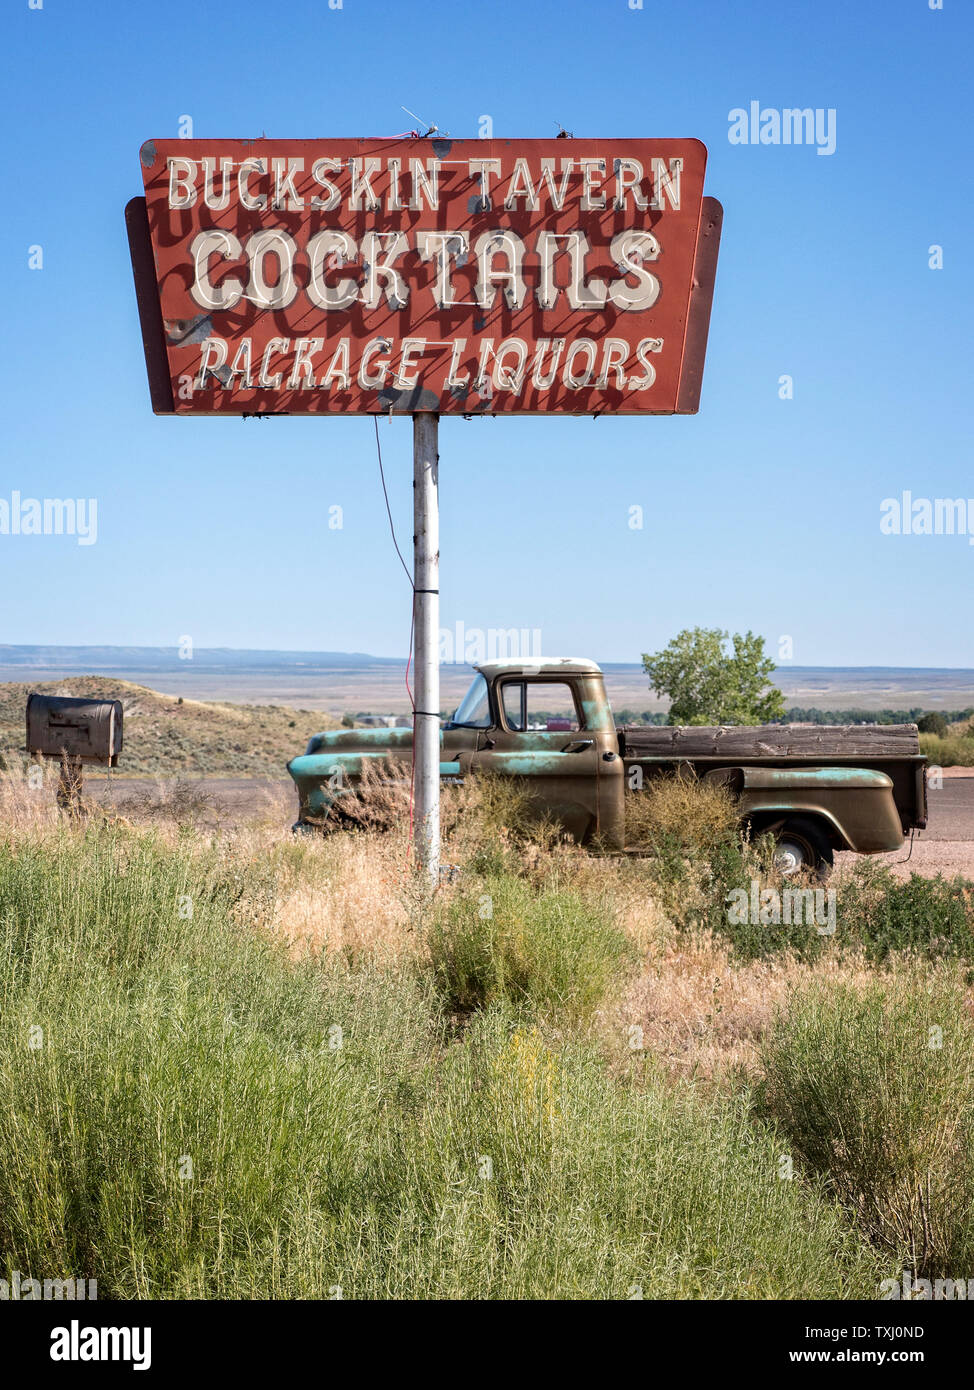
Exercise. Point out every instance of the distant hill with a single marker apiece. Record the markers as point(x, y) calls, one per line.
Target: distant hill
point(70, 660)
point(168, 736)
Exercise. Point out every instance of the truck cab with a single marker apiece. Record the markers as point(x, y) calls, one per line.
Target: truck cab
point(549, 724)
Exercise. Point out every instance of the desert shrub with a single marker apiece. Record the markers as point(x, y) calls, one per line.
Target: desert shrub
point(952, 751)
point(763, 914)
point(178, 1117)
point(681, 813)
point(931, 917)
point(550, 1179)
point(698, 859)
point(874, 913)
point(933, 723)
point(378, 799)
point(500, 939)
point(484, 823)
point(874, 1089)
point(700, 865)
point(490, 821)
point(689, 831)
point(184, 801)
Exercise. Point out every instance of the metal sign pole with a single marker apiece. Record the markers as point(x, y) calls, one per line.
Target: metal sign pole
point(426, 582)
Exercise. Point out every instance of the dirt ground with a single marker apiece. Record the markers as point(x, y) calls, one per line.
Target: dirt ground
point(220, 801)
point(946, 846)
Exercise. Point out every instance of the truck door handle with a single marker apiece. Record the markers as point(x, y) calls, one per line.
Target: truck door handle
point(579, 745)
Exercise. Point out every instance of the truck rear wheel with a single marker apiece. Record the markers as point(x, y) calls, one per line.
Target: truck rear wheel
point(802, 846)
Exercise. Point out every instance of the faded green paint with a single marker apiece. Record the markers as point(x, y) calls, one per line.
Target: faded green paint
point(551, 744)
point(782, 777)
point(360, 740)
point(329, 765)
point(532, 763)
point(595, 714)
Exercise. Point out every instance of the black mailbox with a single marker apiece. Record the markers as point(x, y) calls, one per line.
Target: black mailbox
point(87, 731)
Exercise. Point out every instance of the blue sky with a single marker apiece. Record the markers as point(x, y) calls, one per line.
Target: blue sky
point(759, 513)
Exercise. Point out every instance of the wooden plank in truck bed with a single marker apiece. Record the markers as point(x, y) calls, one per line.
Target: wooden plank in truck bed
point(772, 741)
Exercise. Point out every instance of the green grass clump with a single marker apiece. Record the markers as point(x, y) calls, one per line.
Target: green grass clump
point(698, 861)
point(698, 858)
point(547, 1178)
point(876, 915)
point(186, 1111)
point(177, 1117)
point(874, 1090)
point(932, 918)
point(551, 951)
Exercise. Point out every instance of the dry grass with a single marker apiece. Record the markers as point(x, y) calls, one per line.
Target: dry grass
point(872, 1082)
point(702, 1014)
point(682, 811)
point(350, 894)
point(27, 807)
point(184, 801)
point(378, 800)
point(955, 750)
point(353, 890)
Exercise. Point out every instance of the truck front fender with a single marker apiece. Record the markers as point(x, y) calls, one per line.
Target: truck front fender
point(321, 778)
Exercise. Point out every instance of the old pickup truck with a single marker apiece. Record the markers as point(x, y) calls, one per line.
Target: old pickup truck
point(815, 788)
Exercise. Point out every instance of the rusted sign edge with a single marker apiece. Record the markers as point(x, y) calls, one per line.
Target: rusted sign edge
point(150, 311)
point(698, 313)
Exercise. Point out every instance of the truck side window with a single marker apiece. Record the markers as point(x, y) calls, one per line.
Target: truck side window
point(513, 695)
point(540, 706)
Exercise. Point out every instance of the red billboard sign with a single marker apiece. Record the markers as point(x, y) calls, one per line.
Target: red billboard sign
point(457, 276)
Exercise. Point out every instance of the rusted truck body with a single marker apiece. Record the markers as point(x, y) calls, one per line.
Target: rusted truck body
point(816, 789)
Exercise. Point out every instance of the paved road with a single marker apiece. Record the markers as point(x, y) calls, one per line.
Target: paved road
point(951, 810)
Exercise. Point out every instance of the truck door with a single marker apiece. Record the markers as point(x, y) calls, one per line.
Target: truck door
point(540, 734)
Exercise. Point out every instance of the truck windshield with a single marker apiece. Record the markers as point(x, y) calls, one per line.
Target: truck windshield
point(473, 711)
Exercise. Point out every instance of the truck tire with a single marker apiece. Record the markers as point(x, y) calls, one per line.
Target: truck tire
point(802, 845)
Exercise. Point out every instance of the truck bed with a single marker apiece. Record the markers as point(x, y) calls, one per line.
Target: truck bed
point(890, 748)
point(815, 742)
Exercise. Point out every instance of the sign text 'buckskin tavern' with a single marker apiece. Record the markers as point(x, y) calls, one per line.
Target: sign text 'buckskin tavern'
point(366, 276)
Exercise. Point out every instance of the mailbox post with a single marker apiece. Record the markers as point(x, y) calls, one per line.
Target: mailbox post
point(75, 732)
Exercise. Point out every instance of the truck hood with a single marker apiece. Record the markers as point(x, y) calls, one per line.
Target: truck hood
point(349, 749)
point(360, 741)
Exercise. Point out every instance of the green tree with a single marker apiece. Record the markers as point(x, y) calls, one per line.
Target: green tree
point(712, 681)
